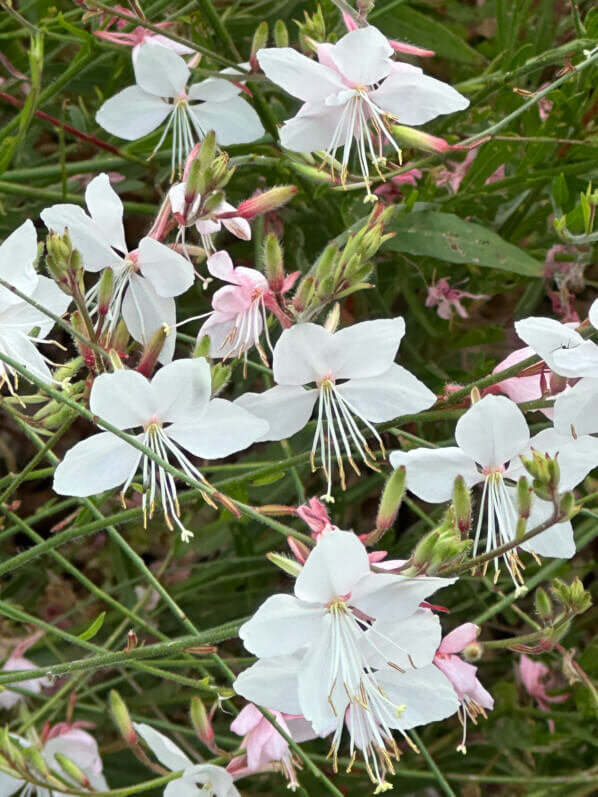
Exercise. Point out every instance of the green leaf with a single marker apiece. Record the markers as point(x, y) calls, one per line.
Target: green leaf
point(445, 236)
point(93, 629)
point(411, 26)
point(560, 192)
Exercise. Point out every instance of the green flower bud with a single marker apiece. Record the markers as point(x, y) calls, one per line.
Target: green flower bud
point(273, 263)
point(36, 761)
point(221, 375)
point(260, 38)
point(543, 605)
point(286, 563)
point(105, 288)
point(207, 151)
point(390, 502)
point(121, 717)
point(213, 202)
point(462, 506)
point(150, 355)
point(304, 294)
point(281, 34)
point(72, 770)
point(201, 722)
point(524, 497)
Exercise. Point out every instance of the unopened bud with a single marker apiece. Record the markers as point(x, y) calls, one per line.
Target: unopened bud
point(285, 563)
point(568, 505)
point(273, 263)
point(200, 720)
point(543, 605)
point(221, 173)
point(410, 137)
point(474, 396)
point(221, 374)
point(390, 503)
point(281, 34)
point(202, 347)
point(520, 528)
point(207, 150)
point(120, 338)
point(312, 173)
point(554, 473)
point(150, 355)
point(72, 770)
point(213, 202)
point(572, 596)
point(121, 717)
point(425, 548)
point(80, 327)
point(260, 40)
point(462, 506)
point(115, 361)
point(524, 497)
point(473, 651)
point(304, 294)
point(326, 262)
point(105, 288)
point(266, 201)
point(192, 183)
point(10, 749)
point(299, 549)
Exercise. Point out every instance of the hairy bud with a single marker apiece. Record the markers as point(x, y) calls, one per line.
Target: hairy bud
point(121, 717)
point(281, 34)
point(72, 770)
point(200, 719)
point(462, 506)
point(285, 563)
point(543, 605)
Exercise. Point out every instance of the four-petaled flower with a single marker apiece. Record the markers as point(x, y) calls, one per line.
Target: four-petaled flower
point(354, 93)
point(174, 411)
point(376, 390)
point(161, 92)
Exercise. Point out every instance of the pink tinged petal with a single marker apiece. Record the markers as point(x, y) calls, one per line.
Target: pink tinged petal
point(231, 300)
point(10, 699)
point(220, 334)
point(164, 41)
point(546, 336)
point(411, 642)
point(223, 429)
point(169, 273)
point(333, 568)
point(176, 196)
point(381, 398)
point(414, 99)
point(300, 729)
point(233, 121)
point(81, 748)
point(431, 472)
point(106, 210)
point(362, 56)
point(16, 345)
point(144, 312)
point(213, 89)
point(312, 129)
point(207, 226)
point(519, 388)
point(366, 349)
point(459, 638)
point(576, 408)
point(272, 745)
point(281, 626)
point(221, 266)
point(86, 236)
point(181, 390)
point(388, 597)
point(248, 718)
point(481, 695)
point(492, 431)
point(272, 683)
point(301, 355)
point(160, 72)
point(461, 674)
point(101, 462)
point(557, 541)
point(286, 409)
point(300, 76)
point(132, 113)
point(123, 398)
point(166, 751)
point(18, 253)
point(532, 672)
point(238, 227)
point(426, 693)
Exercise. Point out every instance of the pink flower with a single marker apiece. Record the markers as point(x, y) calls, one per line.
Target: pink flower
point(391, 190)
point(16, 661)
point(72, 741)
point(139, 36)
point(474, 698)
point(265, 749)
point(448, 299)
point(315, 514)
point(454, 176)
point(536, 676)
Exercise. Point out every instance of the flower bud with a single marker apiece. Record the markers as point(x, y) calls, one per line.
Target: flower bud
point(192, 184)
point(273, 263)
point(266, 201)
point(201, 722)
point(462, 506)
point(299, 549)
point(72, 770)
point(304, 294)
point(425, 548)
point(150, 355)
point(312, 173)
point(285, 563)
point(417, 139)
point(473, 651)
point(260, 40)
point(474, 396)
point(221, 375)
point(11, 750)
point(80, 327)
point(213, 202)
point(390, 503)
point(543, 605)
point(524, 497)
point(568, 505)
point(221, 171)
point(326, 261)
point(554, 473)
point(67, 370)
point(207, 151)
point(120, 338)
point(572, 596)
point(281, 34)
point(520, 528)
point(121, 717)
point(105, 288)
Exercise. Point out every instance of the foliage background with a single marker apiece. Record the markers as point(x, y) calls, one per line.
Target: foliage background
point(496, 52)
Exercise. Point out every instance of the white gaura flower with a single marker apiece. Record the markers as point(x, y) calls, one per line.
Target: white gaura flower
point(18, 319)
point(161, 92)
point(354, 94)
point(175, 412)
point(326, 653)
point(145, 279)
point(561, 347)
point(356, 379)
point(197, 780)
point(491, 437)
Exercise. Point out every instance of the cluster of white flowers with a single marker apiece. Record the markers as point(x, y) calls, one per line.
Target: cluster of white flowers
point(356, 647)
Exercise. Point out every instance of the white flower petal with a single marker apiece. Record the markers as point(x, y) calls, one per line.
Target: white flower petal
point(557, 541)
point(332, 569)
point(16, 345)
point(233, 121)
point(213, 89)
point(144, 312)
point(181, 788)
point(160, 71)
point(281, 625)
point(492, 431)
point(312, 129)
point(221, 266)
point(272, 683)
point(384, 397)
point(123, 398)
point(365, 349)
point(286, 409)
point(300, 76)
point(101, 462)
point(411, 642)
point(48, 294)
point(414, 99)
point(593, 314)
point(9, 786)
point(546, 336)
point(302, 355)
point(87, 238)
point(582, 360)
point(132, 113)
point(426, 693)
point(182, 390)
point(218, 782)
point(223, 429)
point(389, 598)
point(18, 254)
point(362, 56)
point(106, 210)
point(170, 274)
point(431, 472)
point(166, 751)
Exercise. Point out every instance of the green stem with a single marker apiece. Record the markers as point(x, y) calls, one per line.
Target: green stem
point(440, 779)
